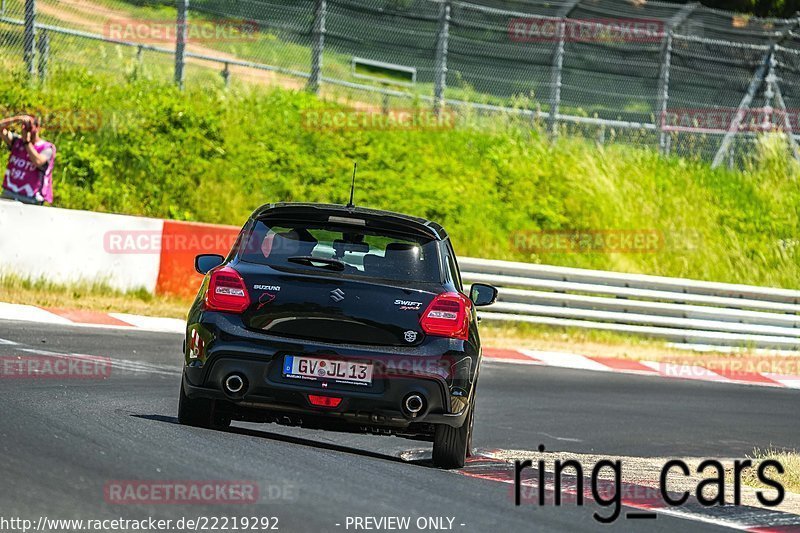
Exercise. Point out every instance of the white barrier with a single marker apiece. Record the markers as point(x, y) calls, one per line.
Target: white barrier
point(678, 310)
point(64, 245)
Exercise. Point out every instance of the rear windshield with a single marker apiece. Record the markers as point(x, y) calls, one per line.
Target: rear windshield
point(342, 251)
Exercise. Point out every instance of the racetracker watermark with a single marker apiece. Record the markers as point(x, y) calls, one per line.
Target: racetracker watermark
point(394, 119)
point(54, 367)
point(195, 523)
point(154, 242)
point(391, 367)
point(606, 490)
point(166, 31)
point(636, 241)
point(548, 29)
point(62, 120)
point(181, 492)
point(730, 368)
point(359, 371)
point(721, 119)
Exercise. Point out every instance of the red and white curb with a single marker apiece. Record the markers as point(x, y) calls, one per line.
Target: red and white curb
point(72, 317)
point(124, 321)
point(644, 368)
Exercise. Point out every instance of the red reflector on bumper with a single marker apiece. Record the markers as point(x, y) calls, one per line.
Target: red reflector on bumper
point(324, 401)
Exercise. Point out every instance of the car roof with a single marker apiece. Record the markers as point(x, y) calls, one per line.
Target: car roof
point(322, 211)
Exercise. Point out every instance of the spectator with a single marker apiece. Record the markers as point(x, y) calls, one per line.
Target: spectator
point(29, 174)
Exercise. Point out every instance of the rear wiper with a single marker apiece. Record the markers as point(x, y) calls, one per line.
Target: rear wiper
point(319, 262)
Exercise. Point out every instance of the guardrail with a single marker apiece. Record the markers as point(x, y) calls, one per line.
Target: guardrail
point(677, 310)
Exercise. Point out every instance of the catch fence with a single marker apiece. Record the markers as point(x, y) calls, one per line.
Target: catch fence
point(684, 78)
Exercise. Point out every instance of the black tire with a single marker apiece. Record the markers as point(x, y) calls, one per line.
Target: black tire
point(451, 446)
point(471, 426)
point(472, 413)
point(200, 412)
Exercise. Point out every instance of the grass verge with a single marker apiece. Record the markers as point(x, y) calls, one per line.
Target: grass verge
point(89, 296)
point(790, 460)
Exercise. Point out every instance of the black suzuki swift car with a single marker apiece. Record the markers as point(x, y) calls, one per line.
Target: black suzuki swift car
point(341, 318)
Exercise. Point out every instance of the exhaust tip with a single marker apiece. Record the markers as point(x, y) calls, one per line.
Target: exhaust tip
point(413, 404)
point(234, 384)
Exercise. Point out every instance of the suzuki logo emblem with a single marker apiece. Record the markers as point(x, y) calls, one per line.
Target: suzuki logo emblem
point(337, 295)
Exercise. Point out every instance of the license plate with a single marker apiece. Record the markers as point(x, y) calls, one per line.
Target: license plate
point(316, 369)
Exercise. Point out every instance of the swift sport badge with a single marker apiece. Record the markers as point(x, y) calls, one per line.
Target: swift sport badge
point(406, 305)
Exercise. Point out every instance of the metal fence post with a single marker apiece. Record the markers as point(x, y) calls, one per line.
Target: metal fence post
point(317, 45)
point(663, 97)
point(730, 155)
point(226, 75)
point(180, 41)
point(44, 54)
point(772, 81)
point(29, 41)
point(664, 141)
point(555, 77)
point(755, 82)
point(558, 63)
point(440, 69)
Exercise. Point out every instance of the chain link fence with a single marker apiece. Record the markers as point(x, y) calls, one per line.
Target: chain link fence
point(684, 78)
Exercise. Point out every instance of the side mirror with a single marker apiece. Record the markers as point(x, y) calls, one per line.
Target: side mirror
point(204, 263)
point(481, 294)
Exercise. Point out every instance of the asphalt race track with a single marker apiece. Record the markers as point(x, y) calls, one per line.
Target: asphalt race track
point(64, 440)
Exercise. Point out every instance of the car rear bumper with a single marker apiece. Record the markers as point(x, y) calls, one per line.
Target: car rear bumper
point(228, 348)
point(355, 408)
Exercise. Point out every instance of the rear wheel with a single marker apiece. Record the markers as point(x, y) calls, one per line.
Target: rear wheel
point(200, 412)
point(451, 446)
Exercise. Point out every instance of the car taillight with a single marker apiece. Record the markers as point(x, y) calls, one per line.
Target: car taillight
point(324, 401)
point(447, 316)
point(227, 291)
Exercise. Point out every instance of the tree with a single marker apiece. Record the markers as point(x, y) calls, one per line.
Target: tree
point(761, 8)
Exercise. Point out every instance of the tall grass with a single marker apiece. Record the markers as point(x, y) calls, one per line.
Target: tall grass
point(214, 155)
point(788, 459)
point(88, 295)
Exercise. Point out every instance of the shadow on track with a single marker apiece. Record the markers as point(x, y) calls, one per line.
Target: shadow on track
point(412, 457)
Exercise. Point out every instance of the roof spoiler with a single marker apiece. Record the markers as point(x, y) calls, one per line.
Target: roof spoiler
point(351, 216)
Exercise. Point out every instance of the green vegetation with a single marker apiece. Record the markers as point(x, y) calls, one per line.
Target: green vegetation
point(212, 155)
point(761, 8)
point(95, 296)
point(790, 460)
